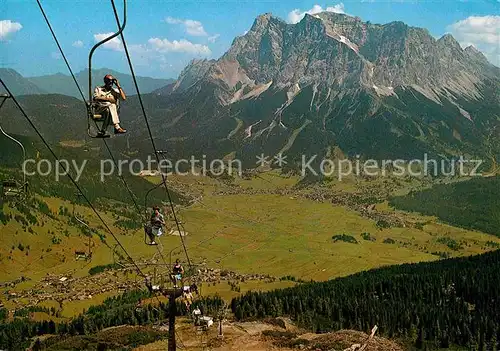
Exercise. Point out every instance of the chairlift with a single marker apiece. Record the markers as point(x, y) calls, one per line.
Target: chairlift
point(82, 255)
point(148, 235)
point(148, 230)
point(101, 117)
point(95, 113)
point(204, 322)
point(11, 188)
point(118, 258)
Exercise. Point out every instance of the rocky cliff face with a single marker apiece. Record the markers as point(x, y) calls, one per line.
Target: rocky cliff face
point(334, 50)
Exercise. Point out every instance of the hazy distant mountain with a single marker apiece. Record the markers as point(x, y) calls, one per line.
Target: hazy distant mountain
point(17, 84)
point(63, 84)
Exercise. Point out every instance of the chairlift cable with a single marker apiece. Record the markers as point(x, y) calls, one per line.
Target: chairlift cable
point(148, 126)
point(61, 50)
point(121, 27)
point(83, 97)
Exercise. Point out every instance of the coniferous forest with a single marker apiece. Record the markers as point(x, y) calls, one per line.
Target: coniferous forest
point(473, 204)
point(453, 302)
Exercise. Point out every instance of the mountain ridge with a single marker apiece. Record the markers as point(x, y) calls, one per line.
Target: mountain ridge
point(60, 83)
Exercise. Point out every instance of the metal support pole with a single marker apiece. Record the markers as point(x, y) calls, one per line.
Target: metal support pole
point(171, 322)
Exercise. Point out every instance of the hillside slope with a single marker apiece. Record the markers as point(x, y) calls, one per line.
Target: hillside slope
point(437, 304)
point(17, 84)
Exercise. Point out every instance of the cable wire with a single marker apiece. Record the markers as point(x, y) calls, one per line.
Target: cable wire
point(83, 98)
point(132, 196)
point(60, 49)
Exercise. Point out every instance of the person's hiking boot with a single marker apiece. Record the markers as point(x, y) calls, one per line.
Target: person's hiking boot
point(120, 130)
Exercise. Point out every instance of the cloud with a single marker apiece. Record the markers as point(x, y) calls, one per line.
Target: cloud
point(78, 44)
point(114, 44)
point(55, 55)
point(183, 45)
point(7, 27)
point(296, 15)
point(483, 32)
point(213, 38)
point(192, 27)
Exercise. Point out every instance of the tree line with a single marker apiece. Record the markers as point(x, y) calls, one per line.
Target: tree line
point(472, 204)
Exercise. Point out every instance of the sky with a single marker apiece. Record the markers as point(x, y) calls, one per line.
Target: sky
point(163, 36)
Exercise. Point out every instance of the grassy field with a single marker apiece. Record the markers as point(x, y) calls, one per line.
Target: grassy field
point(283, 236)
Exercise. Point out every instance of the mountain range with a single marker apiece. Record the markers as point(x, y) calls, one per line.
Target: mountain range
point(330, 85)
point(63, 84)
point(334, 81)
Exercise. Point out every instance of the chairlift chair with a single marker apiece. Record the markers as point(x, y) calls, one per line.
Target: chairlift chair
point(206, 321)
point(101, 118)
point(148, 230)
point(11, 188)
point(148, 234)
point(82, 254)
point(95, 112)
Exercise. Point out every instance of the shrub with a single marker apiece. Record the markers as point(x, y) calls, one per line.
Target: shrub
point(368, 237)
point(56, 240)
point(383, 224)
point(451, 243)
point(344, 237)
point(493, 244)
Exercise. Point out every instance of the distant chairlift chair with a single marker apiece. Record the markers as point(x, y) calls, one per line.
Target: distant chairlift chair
point(204, 322)
point(82, 255)
point(12, 189)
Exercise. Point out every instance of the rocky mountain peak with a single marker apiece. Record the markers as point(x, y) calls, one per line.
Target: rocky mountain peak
point(474, 53)
point(340, 52)
point(192, 73)
point(449, 40)
point(262, 20)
